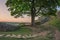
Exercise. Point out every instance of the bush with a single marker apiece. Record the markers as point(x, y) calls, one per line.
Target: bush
point(55, 22)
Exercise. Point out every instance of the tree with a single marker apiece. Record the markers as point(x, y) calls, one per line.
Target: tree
point(33, 7)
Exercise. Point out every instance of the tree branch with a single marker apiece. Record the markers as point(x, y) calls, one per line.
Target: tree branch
point(38, 10)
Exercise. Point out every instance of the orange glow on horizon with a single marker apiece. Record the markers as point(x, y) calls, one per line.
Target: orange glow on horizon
point(6, 17)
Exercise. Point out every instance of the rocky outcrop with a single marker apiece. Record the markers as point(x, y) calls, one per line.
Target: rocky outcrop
point(43, 19)
point(8, 27)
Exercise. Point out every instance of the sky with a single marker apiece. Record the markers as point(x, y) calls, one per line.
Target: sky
point(6, 17)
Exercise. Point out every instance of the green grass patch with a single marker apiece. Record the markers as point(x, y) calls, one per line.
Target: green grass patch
point(3, 38)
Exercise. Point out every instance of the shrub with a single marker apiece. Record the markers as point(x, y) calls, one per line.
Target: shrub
point(55, 22)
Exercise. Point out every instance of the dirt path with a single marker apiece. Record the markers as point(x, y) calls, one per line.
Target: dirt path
point(57, 35)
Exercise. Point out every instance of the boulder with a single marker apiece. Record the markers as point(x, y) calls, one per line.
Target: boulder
point(42, 20)
point(8, 27)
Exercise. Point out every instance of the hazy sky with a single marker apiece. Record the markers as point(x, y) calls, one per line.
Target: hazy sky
point(5, 14)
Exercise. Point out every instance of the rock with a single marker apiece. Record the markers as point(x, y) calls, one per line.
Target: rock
point(26, 36)
point(8, 35)
point(13, 35)
point(23, 37)
point(19, 36)
point(7, 27)
point(1, 35)
point(44, 19)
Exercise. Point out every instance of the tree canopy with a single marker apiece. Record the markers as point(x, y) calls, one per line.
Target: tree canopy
point(34, 7)
point(45, 7)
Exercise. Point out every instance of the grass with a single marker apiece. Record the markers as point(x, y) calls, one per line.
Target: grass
point(3, 38)
point(22, 30)
point(24, 39)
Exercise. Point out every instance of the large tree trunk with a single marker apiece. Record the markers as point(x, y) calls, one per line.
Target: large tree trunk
point(32, 19)
point(33, 13)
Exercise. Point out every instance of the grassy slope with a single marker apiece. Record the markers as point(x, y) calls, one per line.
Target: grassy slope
point(21, 30)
